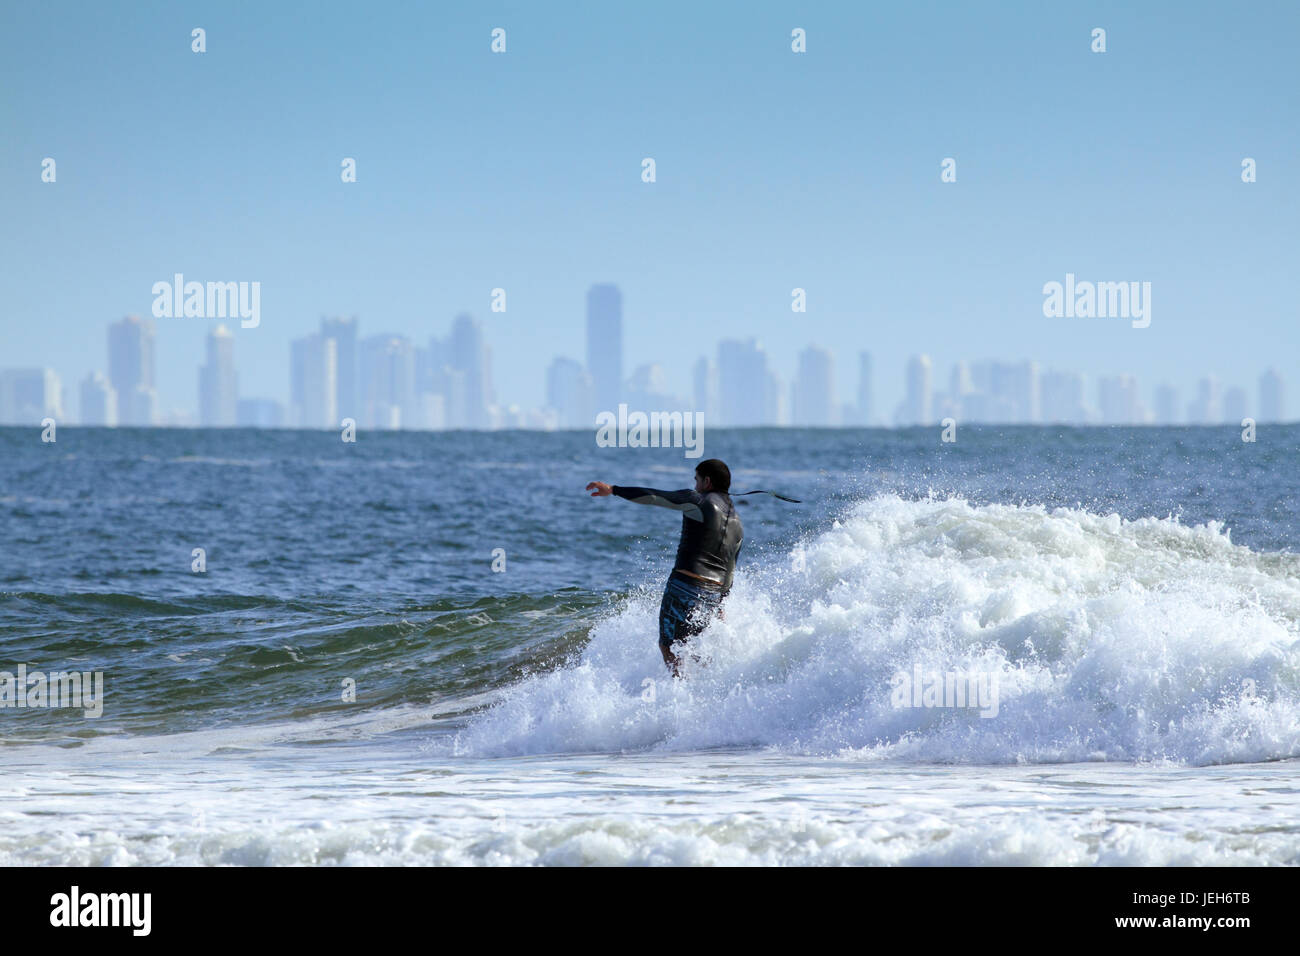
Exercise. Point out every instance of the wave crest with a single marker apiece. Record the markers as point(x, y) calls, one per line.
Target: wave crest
point(1106, 639)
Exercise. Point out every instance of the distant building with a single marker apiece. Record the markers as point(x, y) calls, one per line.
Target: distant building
point(1206, 408)
point(647, 390)
point(131, 370)
point(1001, 392)
point(142, 406)
point(510, 417)
point(1234, 405)
point(431, 379)
point(960, 388)
point(98, 401)
point(433, 410)
point(344, 333)
point(542, 419)
point(467, 356)
point(917, 407)
point(704, 381)
point(605, 345)
point(313, 382)
point(1119, 401)
point(866, 408)
point(1168, 406)
point(1272, 400)
point(814, 389)
point(177, 418)
point(28, 395)
point(775, 409)
point(458, 370)
point(569, 393)
point(1023, 388)
point(455, 394)
point(387, 373)
point(744, 383)
point(981, 403)
point(1063, 401)
point(218, 398)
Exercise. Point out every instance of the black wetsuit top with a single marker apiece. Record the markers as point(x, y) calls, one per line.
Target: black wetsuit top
point(711, 530)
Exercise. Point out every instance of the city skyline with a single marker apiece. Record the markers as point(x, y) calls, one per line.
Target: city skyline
point(821, 170)
point(386, 381)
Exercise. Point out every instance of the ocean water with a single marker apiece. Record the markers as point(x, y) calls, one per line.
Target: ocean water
point(1131, 595)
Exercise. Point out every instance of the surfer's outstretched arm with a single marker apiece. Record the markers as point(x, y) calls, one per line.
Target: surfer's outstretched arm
point(687, 500)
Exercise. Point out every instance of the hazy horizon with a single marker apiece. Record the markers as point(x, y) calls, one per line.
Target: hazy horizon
point(775, 171)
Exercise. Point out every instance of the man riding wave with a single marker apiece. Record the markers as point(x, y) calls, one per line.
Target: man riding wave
point(706, 554)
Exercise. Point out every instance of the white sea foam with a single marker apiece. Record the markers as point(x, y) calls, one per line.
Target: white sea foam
point(740, 808)
point(1112, 640)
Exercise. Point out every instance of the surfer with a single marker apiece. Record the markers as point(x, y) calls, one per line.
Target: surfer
point(706, 553)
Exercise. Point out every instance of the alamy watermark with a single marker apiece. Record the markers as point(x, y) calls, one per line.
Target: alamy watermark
point(37, 689)
point(1098, 300)
point(212, 300)
point(75, 908)
point(975, 690)
point(653, 430)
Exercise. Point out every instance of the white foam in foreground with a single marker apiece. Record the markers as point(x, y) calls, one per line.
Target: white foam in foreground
point(367, 807)
point(1111, 640)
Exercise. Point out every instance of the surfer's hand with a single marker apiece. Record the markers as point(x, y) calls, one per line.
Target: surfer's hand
point(601, 491)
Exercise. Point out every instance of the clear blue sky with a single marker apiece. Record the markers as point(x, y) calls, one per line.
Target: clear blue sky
point(775, 170)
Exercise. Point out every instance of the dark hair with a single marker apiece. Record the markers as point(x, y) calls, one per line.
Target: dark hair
point(716, 470)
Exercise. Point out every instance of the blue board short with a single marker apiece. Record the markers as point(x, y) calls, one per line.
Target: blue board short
point(686, 609)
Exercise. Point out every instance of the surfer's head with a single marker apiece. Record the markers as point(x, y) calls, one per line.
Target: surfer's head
point(712, 475)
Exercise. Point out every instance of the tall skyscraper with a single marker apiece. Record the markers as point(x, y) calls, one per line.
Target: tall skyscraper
point(1168, 406)
point(467, 354)
point(344, 333)
point(979, 403)
point(1025, 390)
point(433, 386)
point(455, 391)
point(814, 389)
point(960, 385)
point(776, 410)
point(704, 381)
point(131, 370)
point(28, 395)
point(605, 344)
point(313, 382)
point(744, 384)
point(1003, 392)
point(1063, 399)
point(568, 392)
point(1272, 399)
point(98, 401)
point(1119, 401)
point(866, 385)
point(1206, 408)
point(917, 404)
point(433, 410)
point(218, 401)
point(1234, 405)
point(388, 397)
